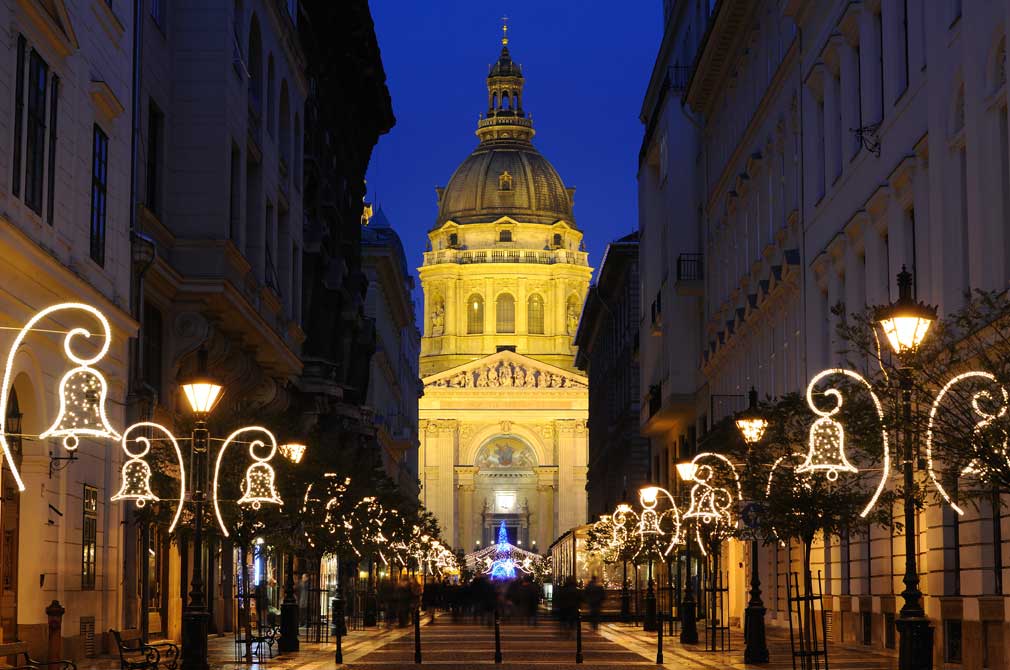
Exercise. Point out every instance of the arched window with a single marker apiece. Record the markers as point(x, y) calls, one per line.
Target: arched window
point(535, 315)
point(284, 135)
point(475, 315)
point(505, 102)
point(271, 113)
point(255, 66)
point(494, 100)
point(505, 314)
point(505, 236)
point(557, 239)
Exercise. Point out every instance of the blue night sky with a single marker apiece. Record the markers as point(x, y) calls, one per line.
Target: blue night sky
point(586, 64)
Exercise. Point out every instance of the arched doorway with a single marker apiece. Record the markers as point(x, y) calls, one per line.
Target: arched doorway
point(10, 515)
point(506, 484)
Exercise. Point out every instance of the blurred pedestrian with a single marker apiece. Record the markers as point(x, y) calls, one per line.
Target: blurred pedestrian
point(594, 600)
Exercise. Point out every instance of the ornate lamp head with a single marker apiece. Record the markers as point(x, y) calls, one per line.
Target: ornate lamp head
point(750, 423)
point(202, 391)
point(905, 322)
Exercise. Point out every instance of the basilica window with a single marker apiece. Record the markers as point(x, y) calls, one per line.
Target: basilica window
point(505, 181)
point(505, 236)
point(475, 315)
point(505, 314)
point(535, 315)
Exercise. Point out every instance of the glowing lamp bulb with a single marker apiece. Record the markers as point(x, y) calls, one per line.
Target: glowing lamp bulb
point(293, 451)
point(624, 508)
point(202, 396)
point(649, 494)
point(752, 429)
point(687, 470)
point(905, 322)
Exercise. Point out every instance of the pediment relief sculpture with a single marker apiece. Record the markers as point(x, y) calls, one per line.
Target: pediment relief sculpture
point(508, 374)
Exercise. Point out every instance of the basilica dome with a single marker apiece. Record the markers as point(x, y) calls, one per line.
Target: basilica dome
point(505, 175)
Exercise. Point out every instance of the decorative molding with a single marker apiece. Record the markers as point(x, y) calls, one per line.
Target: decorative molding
point(105, 100)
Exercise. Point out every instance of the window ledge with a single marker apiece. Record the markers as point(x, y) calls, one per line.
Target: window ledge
point(109, 21)
point(105, 100)
point(57, 29)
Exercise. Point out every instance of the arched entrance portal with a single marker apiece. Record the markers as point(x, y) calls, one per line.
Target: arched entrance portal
point(506, 482)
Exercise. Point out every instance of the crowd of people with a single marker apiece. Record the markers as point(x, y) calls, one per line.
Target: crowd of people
point(516, 600)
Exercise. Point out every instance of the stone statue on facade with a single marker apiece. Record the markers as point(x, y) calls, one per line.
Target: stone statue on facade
point(573, 318)
point(482, 377)
point(506, 374)
point(519, 379)
point(438, 319)
point(492, 376)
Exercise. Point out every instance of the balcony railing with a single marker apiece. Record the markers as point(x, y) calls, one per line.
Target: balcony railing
point(690, 267)
point(535, 256)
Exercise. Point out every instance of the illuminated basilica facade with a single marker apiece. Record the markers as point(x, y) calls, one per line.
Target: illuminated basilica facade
point(503, 416)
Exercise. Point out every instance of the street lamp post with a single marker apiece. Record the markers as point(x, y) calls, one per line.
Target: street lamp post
point(752, 427)
point(203, 393)
point(688, 622)
point(905, 324)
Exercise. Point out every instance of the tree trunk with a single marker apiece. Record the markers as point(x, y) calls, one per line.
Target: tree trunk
point(246, 609)
point(807, 629)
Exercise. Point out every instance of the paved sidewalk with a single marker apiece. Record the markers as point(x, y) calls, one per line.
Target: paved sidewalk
point(310, 656)
point(695, 657)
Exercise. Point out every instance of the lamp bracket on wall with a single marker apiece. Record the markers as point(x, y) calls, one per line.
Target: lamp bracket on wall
point(57, 463)
point(867, 136)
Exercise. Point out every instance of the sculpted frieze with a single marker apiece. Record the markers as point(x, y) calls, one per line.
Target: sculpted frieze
point(508, 374)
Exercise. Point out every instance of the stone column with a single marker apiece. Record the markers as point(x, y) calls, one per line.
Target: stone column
point(869, 66)
point(466, 517)
point(546, 528)
point(832, 132)
point(452, 311)
point(877, 270)
point(849, 67)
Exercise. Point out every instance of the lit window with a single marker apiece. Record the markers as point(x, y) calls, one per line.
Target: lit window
point(475, 315)
point(505, 314)
point(89, 539)
point(535, 315)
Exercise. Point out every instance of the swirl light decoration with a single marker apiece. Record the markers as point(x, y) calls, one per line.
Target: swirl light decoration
point(826, 446)
point(83, 390)
point(259, 486)
point(984, 422)
point(136, 472)
point(650, 520)
point(709, 504)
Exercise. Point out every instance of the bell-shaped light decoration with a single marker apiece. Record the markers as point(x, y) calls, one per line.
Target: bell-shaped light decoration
point(83, 391)
point(826, 452)
point(905, 322)
point(259, 486)
point(136, 484)
point(708, 503)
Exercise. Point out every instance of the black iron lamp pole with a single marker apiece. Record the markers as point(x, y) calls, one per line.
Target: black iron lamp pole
point(288, 640)
point(905, 323)
point(688, 614)
point(203, 393)
point(752, 427)
point(625, 594)
point(650, 603)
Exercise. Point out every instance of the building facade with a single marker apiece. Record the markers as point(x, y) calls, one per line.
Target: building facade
point(65, 238)
point(608, 348)
point(503, 417)
point(394, 386)
point(837, 142)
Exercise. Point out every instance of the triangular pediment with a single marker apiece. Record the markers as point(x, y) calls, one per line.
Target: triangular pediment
point(506, 370)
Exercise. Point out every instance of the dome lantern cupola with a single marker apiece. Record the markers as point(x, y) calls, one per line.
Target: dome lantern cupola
point(505, 118)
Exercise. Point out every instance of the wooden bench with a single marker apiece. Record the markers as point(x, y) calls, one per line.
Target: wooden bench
point(134, 654)
point(23, 661)
point(261, 635)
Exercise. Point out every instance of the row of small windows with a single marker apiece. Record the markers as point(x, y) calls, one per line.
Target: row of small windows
point(505, 314)
point(503, 236)
point(35, 141)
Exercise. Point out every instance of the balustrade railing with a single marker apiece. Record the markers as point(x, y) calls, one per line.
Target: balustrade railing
point(537, 256)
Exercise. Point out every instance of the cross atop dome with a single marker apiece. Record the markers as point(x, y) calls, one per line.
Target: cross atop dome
point(504, 31)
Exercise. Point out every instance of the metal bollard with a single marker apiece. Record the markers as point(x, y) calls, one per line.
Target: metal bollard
point(659, 639)
point(417, 636)
point(497, 638)
point(578, 636)
point(55, 613)
point(338, 626)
